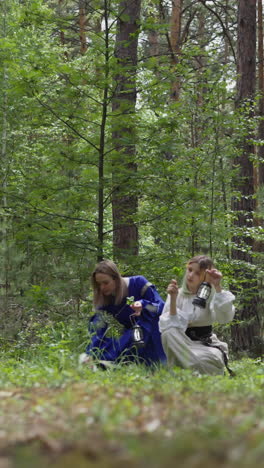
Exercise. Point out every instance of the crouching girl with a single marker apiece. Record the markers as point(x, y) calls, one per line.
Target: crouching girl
point(111, 294)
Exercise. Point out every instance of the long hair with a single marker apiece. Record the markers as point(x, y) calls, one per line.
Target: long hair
point(107, 267)
point(204, 263)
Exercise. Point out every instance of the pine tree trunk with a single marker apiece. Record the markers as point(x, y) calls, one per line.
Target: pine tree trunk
point(260, 172)
point(5, 267)
point(175, 44)
point(82, 26)
point(124, 170)
point(245, 335)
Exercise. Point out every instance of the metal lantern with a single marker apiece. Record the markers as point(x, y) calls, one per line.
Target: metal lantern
point(137, 332)
point(202, 294)
point(137, 336)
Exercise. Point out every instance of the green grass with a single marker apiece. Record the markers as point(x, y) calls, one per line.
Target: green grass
point(54, 410)
point(57, 413)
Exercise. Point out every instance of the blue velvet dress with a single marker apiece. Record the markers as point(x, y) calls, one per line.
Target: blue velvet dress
point(107, 347)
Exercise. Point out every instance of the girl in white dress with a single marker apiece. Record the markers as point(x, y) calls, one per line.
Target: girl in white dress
point(186, 328)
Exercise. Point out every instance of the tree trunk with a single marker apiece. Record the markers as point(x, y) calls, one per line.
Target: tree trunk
point(4, 170)
point(82, 26)
point(124, 200)
point(260, 168)
point(245, 335)
point(175, 37)
point(102, 141)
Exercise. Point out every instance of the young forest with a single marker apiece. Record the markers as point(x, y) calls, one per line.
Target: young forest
point(131, 130)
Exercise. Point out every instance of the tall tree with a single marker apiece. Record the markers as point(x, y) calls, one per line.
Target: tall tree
point(82, 26)
point(259, 170)
point(243, 204)
point(4, 159)
point(175, 43)
point(125, 200)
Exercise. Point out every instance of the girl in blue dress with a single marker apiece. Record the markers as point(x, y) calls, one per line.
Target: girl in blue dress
point(123, 304)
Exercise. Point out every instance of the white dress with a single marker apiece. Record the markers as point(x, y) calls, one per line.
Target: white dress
point(180, 349)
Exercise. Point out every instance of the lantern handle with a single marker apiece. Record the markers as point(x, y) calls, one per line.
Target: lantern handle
point(132, 318)
point(205, 274)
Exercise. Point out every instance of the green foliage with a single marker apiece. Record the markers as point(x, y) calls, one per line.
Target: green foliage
point(38, 297)
point(155, 414)
point(48, 340)
point(130, 300)
point(57, 124)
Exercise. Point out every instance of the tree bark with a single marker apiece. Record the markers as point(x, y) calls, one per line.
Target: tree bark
point(175, 38)
point(246, 334)
point(102, 141)
point(82, 26)
point(124, 168)
point(5, 282)
point(260, 172)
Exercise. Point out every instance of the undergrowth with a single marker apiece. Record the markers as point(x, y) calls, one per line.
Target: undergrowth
point(155, 414)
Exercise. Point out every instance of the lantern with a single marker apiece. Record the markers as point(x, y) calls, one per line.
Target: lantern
point(137, 336)
point(202, 294)
point(137, 333)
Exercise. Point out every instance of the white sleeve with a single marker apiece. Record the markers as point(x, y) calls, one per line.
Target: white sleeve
point(167, 321)
point(222, 308)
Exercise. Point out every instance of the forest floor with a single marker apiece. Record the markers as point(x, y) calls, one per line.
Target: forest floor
point(71, 416)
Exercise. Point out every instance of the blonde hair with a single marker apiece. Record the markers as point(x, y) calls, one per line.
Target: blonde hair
point(107, 267)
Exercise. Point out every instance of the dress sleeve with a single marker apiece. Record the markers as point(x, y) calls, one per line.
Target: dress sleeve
point(151, 301)
point(145, 292)
point(152, 306)
point(176, 321)
point(222, 308)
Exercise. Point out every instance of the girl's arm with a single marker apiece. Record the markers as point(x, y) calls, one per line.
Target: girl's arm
point(173, 290)
point(172, 315)
point(147, 299)
point(222, 308)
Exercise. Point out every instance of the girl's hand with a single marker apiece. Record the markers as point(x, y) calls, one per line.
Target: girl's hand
point(214, 277)
point(173, 288)
point(137, 307)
